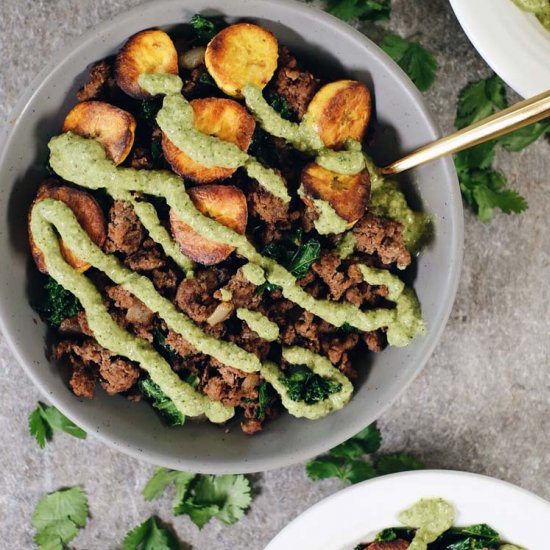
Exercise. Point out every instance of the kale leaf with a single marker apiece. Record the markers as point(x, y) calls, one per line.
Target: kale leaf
point(57, 304)
point(265, 400)
point(149, 111)
point(307, 386)
point(160, 341)
point(205, 29)
point(161, 402)
point(280, 104)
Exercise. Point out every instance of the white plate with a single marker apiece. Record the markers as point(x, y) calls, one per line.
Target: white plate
point(356, 514)
point(512, 42)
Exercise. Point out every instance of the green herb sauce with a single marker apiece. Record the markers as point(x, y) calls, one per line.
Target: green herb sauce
point(328, 222)
point(346, 245)
point(226, 294)
point(259, 323)
point(319, 365)
point(431, 517)
point(541, 8)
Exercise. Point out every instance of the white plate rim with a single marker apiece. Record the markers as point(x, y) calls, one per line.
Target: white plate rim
point(512, 42)
point(345, 518)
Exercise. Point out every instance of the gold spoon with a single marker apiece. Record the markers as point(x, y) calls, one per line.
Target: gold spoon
point(517, 116)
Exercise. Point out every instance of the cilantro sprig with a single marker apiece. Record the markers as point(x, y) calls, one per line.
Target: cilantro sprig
point(348, 461)
point(150, 535)
point(58, 517)
point(365, 10)
point(419, 64)
point(485, 189)
point(46, 419)
point(202, 497)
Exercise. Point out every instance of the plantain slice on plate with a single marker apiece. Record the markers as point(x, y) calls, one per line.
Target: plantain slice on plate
point(348, 195)
point(340, 111)
point(224, 203)
point(223, 118)
point(242, 54)
point(114, 128)
point(150, 51)
point(87, 212)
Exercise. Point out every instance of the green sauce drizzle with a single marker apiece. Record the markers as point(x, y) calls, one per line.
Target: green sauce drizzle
point(259, 323)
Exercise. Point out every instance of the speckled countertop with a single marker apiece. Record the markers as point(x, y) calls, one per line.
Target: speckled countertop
point(482, 403)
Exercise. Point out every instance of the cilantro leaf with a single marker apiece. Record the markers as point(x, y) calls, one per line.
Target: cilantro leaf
point(230, 493)
point(479, 100)
point(307, 386)
point(59, 516)
point(149, 535)
point(45, 420)
point(419, 64)
point(366, 441)
point(57, 304)
point(396, 462)
point(162, 403)
point(205, 29)
point(478, 157)
point(484, 191)
point(519, 139)
point(202, 497)
point(358, 471)
point(371, 10)
point(324, 467)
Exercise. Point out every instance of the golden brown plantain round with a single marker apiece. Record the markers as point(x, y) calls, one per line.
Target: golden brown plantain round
point(242, 54)
point(223, 118)
point(87, 212)
point(150, 51)
point(339, 111)
point(224, 203)
point(348, 195)
point(112, 127)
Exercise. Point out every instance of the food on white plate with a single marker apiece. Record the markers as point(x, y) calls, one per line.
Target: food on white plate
point(541, 8)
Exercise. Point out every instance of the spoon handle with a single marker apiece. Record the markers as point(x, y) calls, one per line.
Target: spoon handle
point(517, 116)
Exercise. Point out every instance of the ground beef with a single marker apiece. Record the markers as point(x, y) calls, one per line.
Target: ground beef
point(141, 159)
point(100, 78)
point(267, 207)
point(375, 340)
point(137, 315)
point(192, 85)
point(91, 362)
point(147, 258)
point(75, 325)
point(243, 292)
point(165, 280)
point(297, 86)
point(182, 346)
point(251, 426)
point(124, 232)
point(327, 269)
point(195, 297)
point(229, 385)
point(382, 237)
point(251, 342)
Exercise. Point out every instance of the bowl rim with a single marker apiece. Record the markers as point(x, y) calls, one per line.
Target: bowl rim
point(456, 238)
point(421, 484)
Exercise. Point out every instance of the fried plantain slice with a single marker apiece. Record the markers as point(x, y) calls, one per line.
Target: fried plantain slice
point(112, 127)
point(223, 118)
point(242, 54)
point(348, 195)
point(339, 111)
point(87, 212)
point(224, 203)
point(150, 51)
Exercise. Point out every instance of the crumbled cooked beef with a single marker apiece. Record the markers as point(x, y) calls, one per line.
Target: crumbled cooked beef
point(195, 297)
point(229, 385)
point(297, 86)
point(182, 346)
point(375, 340)
point(136, 314)
point(327, 268)
point(125, 232)
point(75, 325)
point(382, 237)
point(165, 280)
point(398, 544)
point(243, 292)
point(99, 79)
point(267, 207)
point(141, 159)
point(336, 349)
point(91, 361)
point(83, 381)
point(147, 258)
point(251, 342)
point(191, 86)
point(251, 426)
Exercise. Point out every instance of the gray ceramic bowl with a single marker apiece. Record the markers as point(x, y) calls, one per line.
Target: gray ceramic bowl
point(403, 122)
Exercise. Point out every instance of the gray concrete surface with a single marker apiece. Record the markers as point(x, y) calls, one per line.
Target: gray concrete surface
point(482, 404)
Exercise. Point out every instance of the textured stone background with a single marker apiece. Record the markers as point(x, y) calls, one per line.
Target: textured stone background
point(482, 403)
